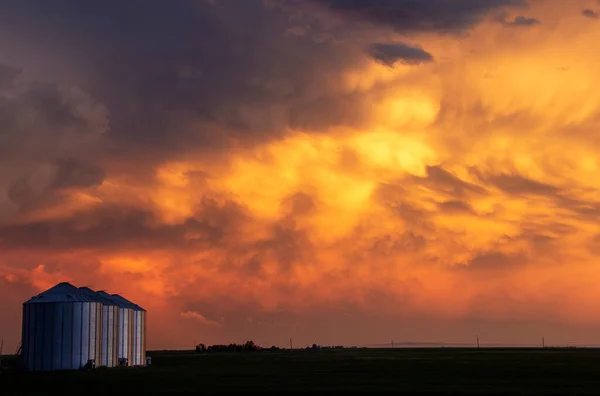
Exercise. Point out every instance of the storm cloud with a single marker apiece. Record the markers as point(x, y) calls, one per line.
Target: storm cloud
point(390, 53)
point(243, 167)
point(408, 16)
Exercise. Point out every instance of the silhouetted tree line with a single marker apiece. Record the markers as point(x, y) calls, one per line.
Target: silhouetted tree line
point(248, 346)
point(317, 346)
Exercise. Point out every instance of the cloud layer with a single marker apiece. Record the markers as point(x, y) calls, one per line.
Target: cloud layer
point(333, 171)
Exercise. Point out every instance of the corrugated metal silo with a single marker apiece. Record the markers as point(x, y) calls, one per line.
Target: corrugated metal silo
point(126, 333)
point(109, 333)
point(138, 333)
point(59, 329)
point(97, 332)
point(121, 323)
point(141, 335)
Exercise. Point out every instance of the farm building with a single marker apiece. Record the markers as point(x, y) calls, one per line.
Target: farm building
point(65, 328)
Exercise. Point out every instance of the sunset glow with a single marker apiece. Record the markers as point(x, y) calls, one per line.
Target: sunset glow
point(303, 187)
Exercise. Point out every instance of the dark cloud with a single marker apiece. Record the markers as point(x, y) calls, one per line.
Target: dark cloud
point(559, 229)
point(520, 21)
point(8, 75)
point(299, 204)
point(409, 16)
point(350, 109)
point(455, 207)
point(494, 261)
point(585, 209)
point(441, 180)
point(590, 13)
point(290, 246)
point(390, 53)
point(438, 180)
point(187, 78)
point(516, 184)
point(71, 173)
point(126, 227)
point(394, 245)
point(393, 196)
point(539, 240)
point(216, 224)
point(194, 75)
point(37, 189)
point(43, 121)
point(50, 140)
point(412, 214)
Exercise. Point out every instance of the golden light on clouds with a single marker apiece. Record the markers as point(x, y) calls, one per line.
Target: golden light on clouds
point(462, 189)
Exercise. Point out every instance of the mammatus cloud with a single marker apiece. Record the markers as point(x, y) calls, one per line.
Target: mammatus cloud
point(278, 178)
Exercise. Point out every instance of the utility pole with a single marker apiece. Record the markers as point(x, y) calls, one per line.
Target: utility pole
point(543, 342)
point(1, 348)
point(291, 344)
point(392, 344)
point(477, 341)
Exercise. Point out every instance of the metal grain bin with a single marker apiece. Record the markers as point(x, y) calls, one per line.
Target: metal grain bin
point(123, 332)
point(110, 331)
point(137, 342)
point(66, 327)
point(126, 333)
point(60, 328)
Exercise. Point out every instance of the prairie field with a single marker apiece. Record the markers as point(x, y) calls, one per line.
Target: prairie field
point(431, 371)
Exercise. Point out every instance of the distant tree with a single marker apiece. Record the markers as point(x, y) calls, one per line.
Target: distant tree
point(247, 346)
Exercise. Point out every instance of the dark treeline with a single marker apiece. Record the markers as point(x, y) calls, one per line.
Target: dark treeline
point(249, 346)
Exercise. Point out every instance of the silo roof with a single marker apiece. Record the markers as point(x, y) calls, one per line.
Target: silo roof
point(66, 292)
point(62, 292)
point(129, 304)
point(113, 301)
point(97, 296)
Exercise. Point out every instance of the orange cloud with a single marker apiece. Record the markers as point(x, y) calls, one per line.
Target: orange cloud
point(465, 192)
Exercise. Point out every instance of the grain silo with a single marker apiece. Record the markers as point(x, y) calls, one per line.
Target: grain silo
point(124, 330)
point(126, 333)
point(110, 331)
point(66, 327)
point(137, 327)
point(139, 336)
point(60, 328)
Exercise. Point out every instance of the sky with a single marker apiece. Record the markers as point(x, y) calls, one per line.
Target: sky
point(332, 171)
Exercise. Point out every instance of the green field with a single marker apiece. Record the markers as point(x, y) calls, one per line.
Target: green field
point(442, 371)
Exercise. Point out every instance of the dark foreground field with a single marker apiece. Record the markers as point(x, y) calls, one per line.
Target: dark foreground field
point(412, 371)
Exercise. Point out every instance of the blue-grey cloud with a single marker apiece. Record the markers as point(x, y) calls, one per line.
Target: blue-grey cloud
point(192, 74)
point(444, 16)
point(390, 53)
point(520, 21)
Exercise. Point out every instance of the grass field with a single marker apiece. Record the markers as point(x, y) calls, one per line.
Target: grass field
point(411, 371)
